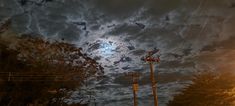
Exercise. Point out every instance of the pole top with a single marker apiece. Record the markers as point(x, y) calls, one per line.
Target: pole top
point(149, 57)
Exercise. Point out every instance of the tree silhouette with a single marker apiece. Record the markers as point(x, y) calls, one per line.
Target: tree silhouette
point(42, 72)
point(208, 89)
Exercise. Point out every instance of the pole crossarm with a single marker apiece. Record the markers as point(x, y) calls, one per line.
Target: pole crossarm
point(150, 59)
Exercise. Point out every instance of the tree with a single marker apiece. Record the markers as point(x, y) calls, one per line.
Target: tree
point(41, 71)
point(208, 89)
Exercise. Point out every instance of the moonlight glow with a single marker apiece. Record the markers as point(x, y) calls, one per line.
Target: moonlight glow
point(107, 48)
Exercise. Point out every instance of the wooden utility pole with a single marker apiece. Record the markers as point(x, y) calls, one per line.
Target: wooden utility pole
point(150, 59)
point(135, 87)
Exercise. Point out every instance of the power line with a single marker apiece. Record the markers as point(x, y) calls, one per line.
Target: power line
point(17, 76)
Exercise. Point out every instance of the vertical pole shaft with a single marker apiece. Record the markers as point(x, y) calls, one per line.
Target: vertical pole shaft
point(154, 84)
point(135, 99)
point(134, 81)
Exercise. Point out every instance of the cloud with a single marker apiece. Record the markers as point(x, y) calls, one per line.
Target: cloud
point(191, 35)
point(118, 9)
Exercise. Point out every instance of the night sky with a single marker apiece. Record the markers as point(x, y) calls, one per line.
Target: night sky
point(192, 35)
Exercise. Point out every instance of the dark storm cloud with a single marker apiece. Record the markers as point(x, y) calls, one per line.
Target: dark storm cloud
point(127, 68)
point(138, 52)
point(226, 44)
point(69, 34)
point(221, 59)
point(7, 10)
point(159, 7)
point(123, 59)
point(20, 20)
point(56, 17)
point(176, 64)
point(154, 9)
point(50, 27)
point(118, 9)
point(125, 28)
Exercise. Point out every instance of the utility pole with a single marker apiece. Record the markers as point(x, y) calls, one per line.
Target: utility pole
point(150, 59)
point(135, 78)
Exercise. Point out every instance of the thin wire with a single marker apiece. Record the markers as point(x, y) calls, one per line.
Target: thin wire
point(189, 17)
point(204, 25)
